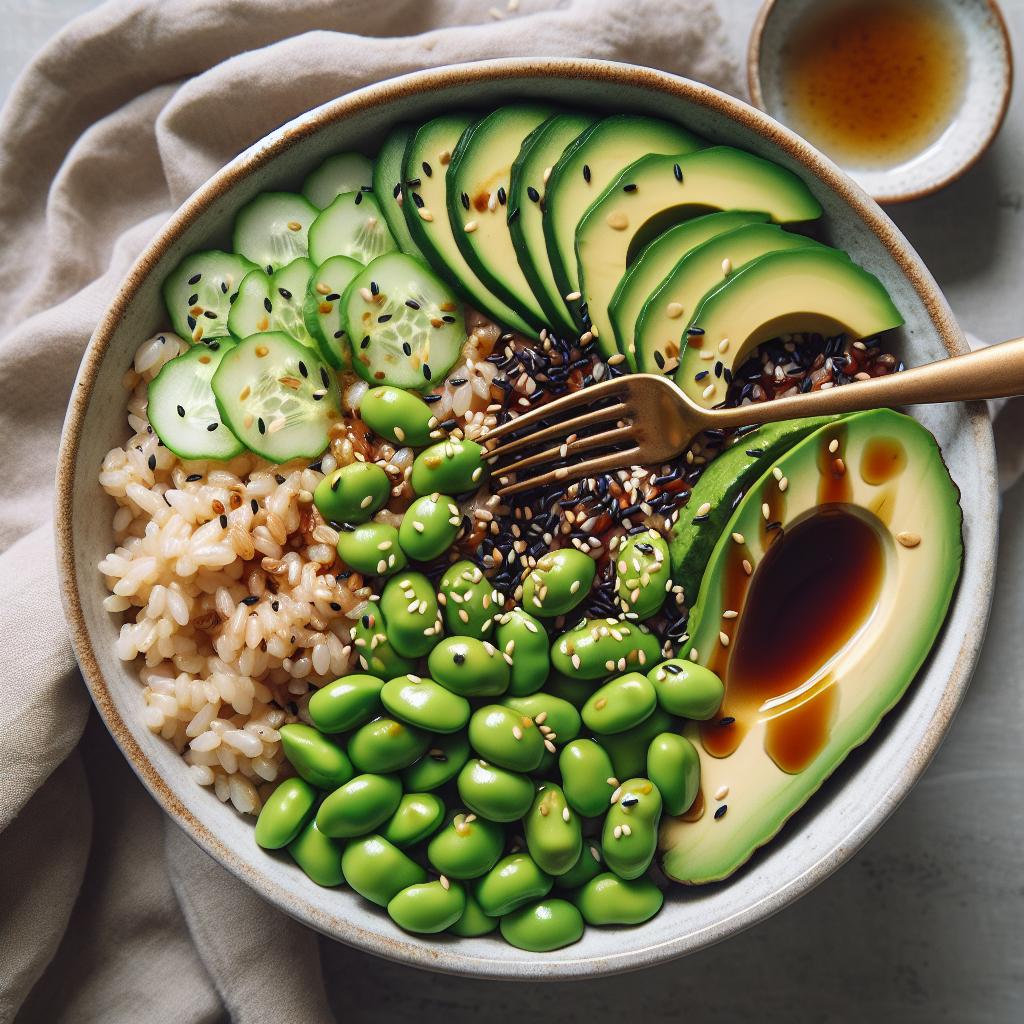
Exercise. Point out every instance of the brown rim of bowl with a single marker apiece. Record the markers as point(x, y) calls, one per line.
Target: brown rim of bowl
point(449, 958)
point(757, 98)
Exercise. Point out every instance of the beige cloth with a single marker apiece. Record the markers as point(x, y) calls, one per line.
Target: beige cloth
point(107, 912)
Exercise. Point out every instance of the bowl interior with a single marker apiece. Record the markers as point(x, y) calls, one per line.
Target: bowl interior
point(836, 821)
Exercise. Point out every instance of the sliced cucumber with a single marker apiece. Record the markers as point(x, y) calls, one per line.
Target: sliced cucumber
point(273, 302)
point(323, 309)
point(405, 323)
point(344, 172)
point(278, 397)
point(271, 230)
point(351, 226)
point(182, 408)
point(387, 186)
point(199, 291)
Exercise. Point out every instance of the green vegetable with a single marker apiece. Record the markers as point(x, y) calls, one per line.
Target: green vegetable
point(643, 574)
point(353, 493)
point(400, 416)
point(376, 655)
point(550, 712)
point(506, 738)
point(440, 764)
point(411, 618)
point(359, 806)
point(494, 793)
point(424, 703)
point(415, 818)
point(315, 757)
point(474, 921)
point(371, 548)
point(542, 927)
point(469, 601)
point(588, 865)
point(429, 527)
point(553, 832)
point(525, 641)
point(586, 770)
point(318, 855)
point(428, 907)
point(673, 765)
point(470, 667)
point(467, 847)
point(513, 881)
point(559, 582)
point(628, 750)
point(620, 704)
point(598, 647)
point(608, 899)
point(576, 691)
point(285, 813)
point(378, 870)
point(385, 745)
point(630, 834)
point(450, 467)
point(687, 689)
point(345, 703)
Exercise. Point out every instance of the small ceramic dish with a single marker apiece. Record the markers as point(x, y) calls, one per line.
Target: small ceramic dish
point(851, 805)
point(976, 117)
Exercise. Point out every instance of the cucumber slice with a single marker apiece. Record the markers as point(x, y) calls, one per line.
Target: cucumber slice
point(271, 230)
point(199, 292)
point(182, 409)
point(273, 302)
point(405, 323)
point(278, 397)
point(351, 226)
point(344, 172)
point(387, 187)
point(323, 309)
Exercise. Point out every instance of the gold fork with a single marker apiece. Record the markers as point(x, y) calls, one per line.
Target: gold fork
point(648, 419)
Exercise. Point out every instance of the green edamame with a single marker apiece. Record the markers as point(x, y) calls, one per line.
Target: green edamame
point(588, 778)
point(687, 689)
point(524, 639)
point(469, 602)
point(403, 418)
point(494, 793)
point(597, 647)
point(315, 757)
point(558, 583)
point(576, 691)
point(608, 899)
point(544, 926)
point(371, 548)
point(673, 765)
point(376, 655)
point(318, 855)
point(353, 493)
point(474, 921)
point(506, 738)
point(469, 667)
point(285, 813)
point(428, 907)
point(412, 620)
point(588, 865)
point(621, 704)
point(440, 764)
point(467, 847)
point(429, 527)
point(385, 745)
point(630, 834)
point(346, 703)
point(643, 574)
point(424, 703)
point(417, 816)
point(359, 806)
point(628, 750)
point(554, 835)
point(450, 467)
point(558, 720)
point(513, 881)
point(378, 870)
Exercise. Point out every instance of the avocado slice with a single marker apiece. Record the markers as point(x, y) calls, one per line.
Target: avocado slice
point(807, 289)
point(655, 263)
point(660, 329)
point(425, 207)
point(387, 186)
point(530, 174)
point(853, 570)
point(719, 489)
point(478, 189)
point(585, 170)
point(657, 191)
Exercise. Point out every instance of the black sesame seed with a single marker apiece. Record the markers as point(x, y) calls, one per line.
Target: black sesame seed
point(212, 426)
point(284, 293)
point(448, 318)
point(677, 171)
point(365, 342)
point(374, 288)
point(533, 194)
point(426, 371)
point(414, 182)
point(181, 411)
point(223, 519)
point(702, 375)
point(407, 348)
point(465, 201)
point(383, 318)
point(210, 315)
point(302, 369)
point(193, 477)
point(251, 599)
point(276, 605)
point(412, 303)
point(427, 169)
point(151, 462)
point(458, 658)
point(631, 187)
point(728, 720)
point(191, 322)
point(254, 505)
point(324, 378)
point(586, 173)
point(268, 306)
point(659, 359)
point(193, 299)
point(695, 332)
point(502, 195)
point(431, 398)
point(359, 198)
point(755, 453)
point(397, 190)
point(417, 200)
point(261, 425)
point(195, 279)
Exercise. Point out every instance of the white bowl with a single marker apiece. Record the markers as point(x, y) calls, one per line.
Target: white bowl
point(849, 807)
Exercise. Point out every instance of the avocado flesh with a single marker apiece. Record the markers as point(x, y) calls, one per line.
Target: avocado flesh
point(585, 170)
point(654, 264)
point(387, 189)
point(661, 327)
point(434, 237)
point(896, 486)
point(652, 192)
point(810, 289)
point(530, 171)
point(479, 179)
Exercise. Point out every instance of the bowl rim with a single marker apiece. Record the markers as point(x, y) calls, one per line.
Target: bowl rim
point(754, 49)
point(412, 950)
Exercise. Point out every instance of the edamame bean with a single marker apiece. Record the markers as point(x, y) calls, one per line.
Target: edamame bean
point(597, 647)
point(474, 921)
point(587, 777)
point(576, 691)
point(469, 667)
point(643, 574)
point(428, 907)
point(467, 847)
point(359, 806)
point(553, 832)
point(400, 416)
point(378, 870)
point(285, 813)
point(588, 865)
point(318, 855)
point(411, 616)
point(451, 467)
point(513, 881)
point(417, 816)
point(544, 926)
point(429, 527)
point(558, 583)
point(628, 750)
point(506, 738)
point(630, 834)
point(371, 548)
point(559, 721)
point(384, 745)
point(424, 703)
point(687, 689)
point(469, 602)
point(620, 704)
point(315, 757)
point(494, 793)
point(440, 764)
point(376, 655)
point(673, 765)
point(608, 899)
point(346, 703)
point(524, 639)
point(353, 493)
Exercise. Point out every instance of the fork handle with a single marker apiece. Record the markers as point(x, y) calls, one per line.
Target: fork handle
point(996, 371)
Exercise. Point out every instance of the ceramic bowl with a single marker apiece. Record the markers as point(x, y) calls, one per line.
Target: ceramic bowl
point(976, 121)
point(837, 820)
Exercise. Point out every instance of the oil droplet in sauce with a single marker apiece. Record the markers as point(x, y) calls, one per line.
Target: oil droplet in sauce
point(812, 592)
point(882, 459)
point(874, 82)
point(834, 486)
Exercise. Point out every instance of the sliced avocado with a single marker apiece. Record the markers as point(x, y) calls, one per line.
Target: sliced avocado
point(807, 289)
point(850, 577)
point(585, 170)
point(426, 214)
point(721, 486)
point(478, 190)
point(655, 263)
point(387, 186)
point(661, 327)
point(530, 173)
point(657, 191)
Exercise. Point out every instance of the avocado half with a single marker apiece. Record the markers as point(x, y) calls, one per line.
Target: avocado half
point(823, 596)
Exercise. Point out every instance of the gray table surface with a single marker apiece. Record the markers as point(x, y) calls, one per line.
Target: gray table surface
point(927, 922)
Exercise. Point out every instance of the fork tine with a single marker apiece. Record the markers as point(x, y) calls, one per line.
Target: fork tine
point(601, 440)
point(566, 474)
point(561, 429)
